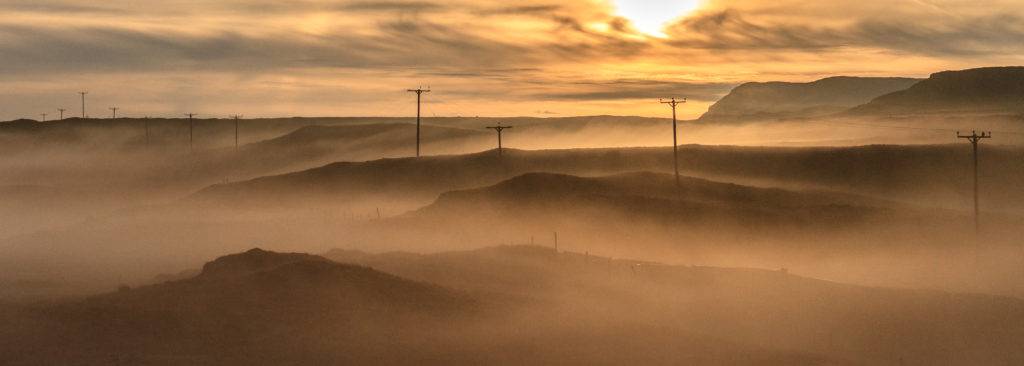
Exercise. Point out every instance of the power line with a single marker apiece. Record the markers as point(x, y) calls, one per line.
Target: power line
point(675, 145)
point(419, 92)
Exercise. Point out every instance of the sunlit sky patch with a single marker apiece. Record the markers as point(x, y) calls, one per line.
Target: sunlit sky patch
point(268, 58)
point(652, 16)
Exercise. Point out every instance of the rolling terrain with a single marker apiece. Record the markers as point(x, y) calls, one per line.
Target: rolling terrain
point(507, 305)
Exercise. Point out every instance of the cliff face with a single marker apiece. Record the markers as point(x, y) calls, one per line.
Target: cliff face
point(778, 100)
point(985, 90)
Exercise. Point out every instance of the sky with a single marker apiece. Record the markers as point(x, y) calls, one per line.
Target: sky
point(262, 58)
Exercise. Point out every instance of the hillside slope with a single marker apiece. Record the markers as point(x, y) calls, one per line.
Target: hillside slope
point(780, 100)
point(862, 325)
point(921, 173)
point(982, 90)
point(264, 308)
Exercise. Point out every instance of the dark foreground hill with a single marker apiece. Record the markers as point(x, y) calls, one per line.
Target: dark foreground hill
point(770, 309)
point(983, 90)
point(509, 305)
point(265, 308)
point(780, 100)
point(256, 307)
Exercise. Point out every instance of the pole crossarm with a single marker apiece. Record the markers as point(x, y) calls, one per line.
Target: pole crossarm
point(974, 136)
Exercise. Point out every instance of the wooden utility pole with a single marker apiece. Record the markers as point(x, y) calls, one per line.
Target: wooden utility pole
point(499, 128)
point(83, 93)
point(418, 92)
point(114, 109)
point(145, 122)
point(190, 115)
point(974, 137)
point(44, 116)
point(61, 113)
point(675, 145)
point(236, 130)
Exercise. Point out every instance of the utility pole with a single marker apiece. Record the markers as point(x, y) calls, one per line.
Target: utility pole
point(145, 122)
point(83, 93)
point(236, 131)
point(675, 145)
point(974, 137)
point(418, 92)
point(61, 113)
point(44, 116)
point(190, 131)
point(114, 116)
point(499, 128)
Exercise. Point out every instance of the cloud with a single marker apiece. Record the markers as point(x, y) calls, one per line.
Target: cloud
point(566, 51)
point(951, 35)
point(640, 89)
point(388, 6)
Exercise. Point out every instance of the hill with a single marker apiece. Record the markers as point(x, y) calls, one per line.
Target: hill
point(782, 100)
point(650, 197)
point(507, 305)
point(916, 173)
point(982, 90)
point(256, 307)
point(265, 308)
point(770, 309)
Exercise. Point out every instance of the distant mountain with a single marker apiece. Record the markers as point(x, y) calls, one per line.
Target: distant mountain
point(777, 100)
point(983, 90)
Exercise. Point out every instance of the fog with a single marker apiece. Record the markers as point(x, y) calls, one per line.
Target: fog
point(821, 241)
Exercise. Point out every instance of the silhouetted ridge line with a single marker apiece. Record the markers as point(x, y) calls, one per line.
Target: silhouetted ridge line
point(781, 100)
point(981, 90)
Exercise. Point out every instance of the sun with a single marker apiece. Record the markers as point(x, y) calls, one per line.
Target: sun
point(651, 16)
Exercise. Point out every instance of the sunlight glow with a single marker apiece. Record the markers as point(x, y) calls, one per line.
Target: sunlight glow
point(651, 16)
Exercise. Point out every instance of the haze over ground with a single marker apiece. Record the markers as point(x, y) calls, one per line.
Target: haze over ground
point(823, 212)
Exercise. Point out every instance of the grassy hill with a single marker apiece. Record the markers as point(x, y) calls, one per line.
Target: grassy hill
point(909, 173)
point(507, 305)
point(982, 90)
point(782, 100)
point(265, 308)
